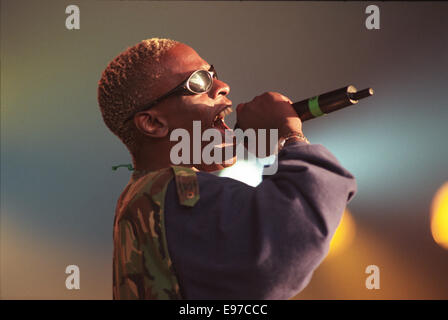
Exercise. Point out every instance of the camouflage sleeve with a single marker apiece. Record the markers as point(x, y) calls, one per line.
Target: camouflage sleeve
point(142, 264)
point(128, 282)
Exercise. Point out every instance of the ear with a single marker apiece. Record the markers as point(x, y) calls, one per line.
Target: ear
point(151, 124)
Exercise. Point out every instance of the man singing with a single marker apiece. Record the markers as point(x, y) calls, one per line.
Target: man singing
point(181, 232)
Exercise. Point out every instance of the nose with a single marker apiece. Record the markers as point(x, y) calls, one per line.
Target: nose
point(220, 88)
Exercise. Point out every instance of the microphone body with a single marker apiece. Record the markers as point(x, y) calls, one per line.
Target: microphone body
point(328, 102)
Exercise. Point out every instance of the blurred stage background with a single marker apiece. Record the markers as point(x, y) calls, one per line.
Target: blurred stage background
point(58, 192)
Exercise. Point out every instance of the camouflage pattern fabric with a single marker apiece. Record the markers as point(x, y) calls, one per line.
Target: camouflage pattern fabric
point(142, 268)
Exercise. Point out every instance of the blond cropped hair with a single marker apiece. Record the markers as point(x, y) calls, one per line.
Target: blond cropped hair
point(126, 85)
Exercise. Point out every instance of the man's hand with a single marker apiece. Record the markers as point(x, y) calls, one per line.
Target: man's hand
point(271, 110)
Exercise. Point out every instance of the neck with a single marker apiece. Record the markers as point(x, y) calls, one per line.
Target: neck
point(151, 157)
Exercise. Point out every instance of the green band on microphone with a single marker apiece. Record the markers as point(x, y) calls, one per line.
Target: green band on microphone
point(313, 106)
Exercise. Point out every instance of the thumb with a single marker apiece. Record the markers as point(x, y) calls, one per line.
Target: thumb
point(238, 107)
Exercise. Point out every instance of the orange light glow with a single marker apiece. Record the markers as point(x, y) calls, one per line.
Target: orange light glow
point(344, 234)
point(439, 217)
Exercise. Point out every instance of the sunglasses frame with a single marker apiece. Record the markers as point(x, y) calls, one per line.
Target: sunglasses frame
point(183, 88)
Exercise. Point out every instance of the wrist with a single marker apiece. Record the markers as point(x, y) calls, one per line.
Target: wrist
point(296, 136)
point(291, 125)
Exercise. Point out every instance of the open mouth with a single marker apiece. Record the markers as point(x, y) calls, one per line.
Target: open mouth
point(218, 121)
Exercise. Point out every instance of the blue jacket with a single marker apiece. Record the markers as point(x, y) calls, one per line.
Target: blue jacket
point(264, 242)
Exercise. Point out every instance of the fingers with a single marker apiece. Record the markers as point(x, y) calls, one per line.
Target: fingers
point(268, 110)
point(266, 96)
point(238, 107)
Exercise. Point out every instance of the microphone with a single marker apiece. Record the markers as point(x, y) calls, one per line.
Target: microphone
point(328, 102)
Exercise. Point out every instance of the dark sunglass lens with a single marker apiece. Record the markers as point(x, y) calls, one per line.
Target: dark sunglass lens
point(200, 81)
point(212, 69)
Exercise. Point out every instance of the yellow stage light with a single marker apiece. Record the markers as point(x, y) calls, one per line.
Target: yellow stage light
point(344, 234)
point(439, 217)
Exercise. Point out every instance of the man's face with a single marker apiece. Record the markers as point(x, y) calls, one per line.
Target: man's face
point(181, 110)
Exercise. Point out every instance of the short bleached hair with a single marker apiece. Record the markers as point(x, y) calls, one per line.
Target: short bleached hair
point(126, 85)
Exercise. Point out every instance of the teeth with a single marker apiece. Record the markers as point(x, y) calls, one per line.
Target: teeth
point(222, 114)
point(225, 112)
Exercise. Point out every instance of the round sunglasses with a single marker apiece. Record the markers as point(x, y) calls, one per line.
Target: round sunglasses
point(200, 81)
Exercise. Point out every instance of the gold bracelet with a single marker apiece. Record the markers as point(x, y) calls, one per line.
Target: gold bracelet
point(297, 135)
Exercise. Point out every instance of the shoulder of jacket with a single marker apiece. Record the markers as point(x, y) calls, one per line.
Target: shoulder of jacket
point(187, 185)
